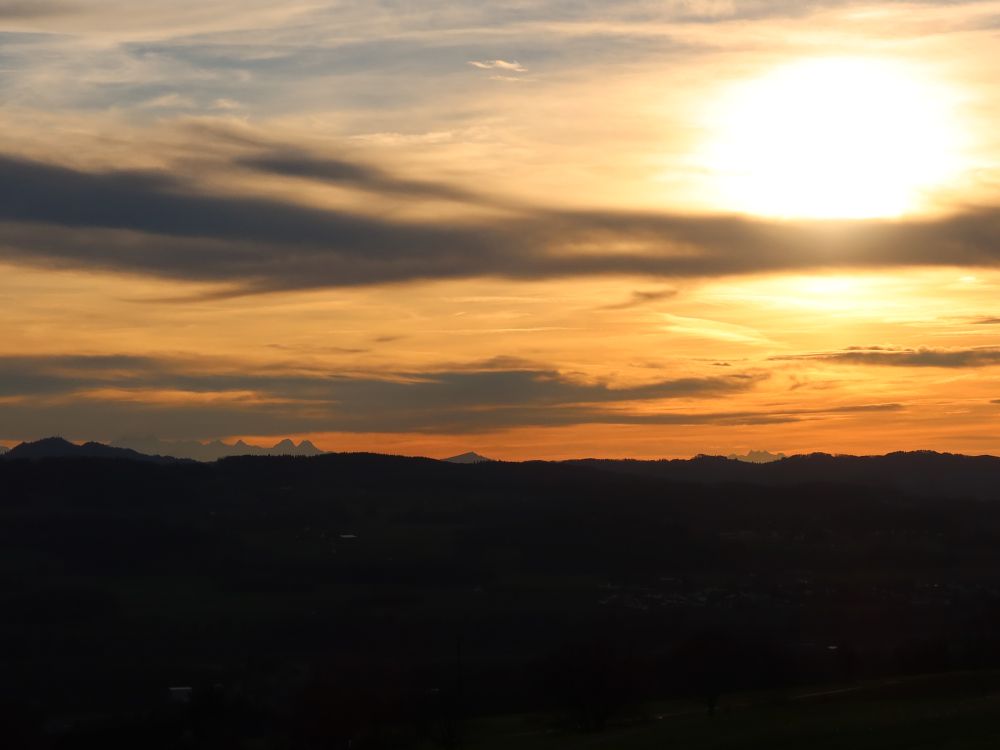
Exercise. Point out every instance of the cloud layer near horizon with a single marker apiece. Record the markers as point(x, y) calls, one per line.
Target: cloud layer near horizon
point(480, 397)
point(72, 394)
point(983, 356)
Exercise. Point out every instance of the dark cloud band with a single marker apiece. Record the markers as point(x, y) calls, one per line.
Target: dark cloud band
point(470, 399)
point(985, 356)
point(157, 224)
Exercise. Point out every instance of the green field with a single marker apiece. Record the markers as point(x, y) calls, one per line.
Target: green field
point(957, 711)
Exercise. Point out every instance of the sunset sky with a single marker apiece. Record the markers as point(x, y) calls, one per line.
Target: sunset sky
point(540, 229)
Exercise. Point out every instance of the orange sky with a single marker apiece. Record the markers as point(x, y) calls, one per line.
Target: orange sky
point(639, 229)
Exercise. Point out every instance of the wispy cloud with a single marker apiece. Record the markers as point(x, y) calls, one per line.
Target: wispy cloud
point(511, 67)
point(107, 396)
point(641, 298)
point(28, 9)
point(170, 101)
point(985, 356)
point(499, 393)
point(354, 174)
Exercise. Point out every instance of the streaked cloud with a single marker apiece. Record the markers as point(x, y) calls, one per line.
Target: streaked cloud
point(24, 9)
point(640, 297)
point(473, 398)
point(511, 67)
point(356, 175)
point(984, 356)
point(174, 399)
point(165, 225)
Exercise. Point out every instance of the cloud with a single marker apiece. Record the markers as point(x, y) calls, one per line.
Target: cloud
point(173, 100)
point(985, 356)
point(25, 9)
point(501, 392)
point(159, 224)
point(641, 298)
point(107, 396)
point(353, 174)
point(61, 374)
point(317, 349)
point(125, 18)
point(104, 419)
point(512, 67)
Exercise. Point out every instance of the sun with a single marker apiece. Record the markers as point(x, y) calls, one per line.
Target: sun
point(832, 138)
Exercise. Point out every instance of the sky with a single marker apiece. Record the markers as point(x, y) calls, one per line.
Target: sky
point(539, 229)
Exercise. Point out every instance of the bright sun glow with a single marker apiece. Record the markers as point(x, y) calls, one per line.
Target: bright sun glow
point(833, 138)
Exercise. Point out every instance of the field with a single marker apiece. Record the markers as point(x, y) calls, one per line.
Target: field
point(955, 711)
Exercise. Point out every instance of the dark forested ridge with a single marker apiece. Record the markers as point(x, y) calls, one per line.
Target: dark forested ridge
point(312, 602)
point(925, 473)
point(56, 447)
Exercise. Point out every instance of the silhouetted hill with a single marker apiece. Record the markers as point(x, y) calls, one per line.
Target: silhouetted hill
point(216, 449)
point(467, 458)
point(56, 447)
point(923, 473)
point(328, 590)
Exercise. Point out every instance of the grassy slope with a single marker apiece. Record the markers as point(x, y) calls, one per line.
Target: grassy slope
point(944, 712)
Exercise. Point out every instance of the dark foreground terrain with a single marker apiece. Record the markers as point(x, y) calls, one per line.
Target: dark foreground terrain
point(371, 601)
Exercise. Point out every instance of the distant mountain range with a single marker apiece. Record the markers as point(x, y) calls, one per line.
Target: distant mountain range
point(214, 450)
point(757, 457)
point(151, 449)
point(56, 447)
point(467, 458)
